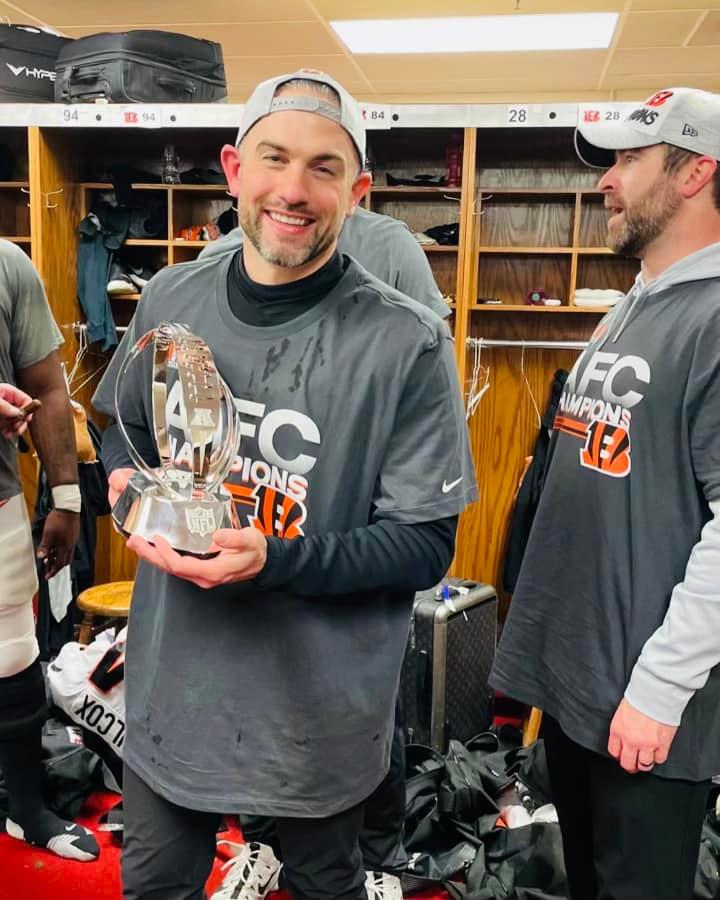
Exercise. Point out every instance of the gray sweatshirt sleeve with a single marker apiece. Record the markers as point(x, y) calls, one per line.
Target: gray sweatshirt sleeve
point(676, 660)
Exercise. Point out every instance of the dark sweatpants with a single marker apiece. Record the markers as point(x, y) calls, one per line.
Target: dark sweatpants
point(625, 837)
point(168, 851)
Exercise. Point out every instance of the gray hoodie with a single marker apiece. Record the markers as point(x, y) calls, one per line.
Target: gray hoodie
point(678, 658)
point(619, 593)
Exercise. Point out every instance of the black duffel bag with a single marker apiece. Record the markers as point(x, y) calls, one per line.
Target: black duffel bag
point(27, 73)
point(140, 67)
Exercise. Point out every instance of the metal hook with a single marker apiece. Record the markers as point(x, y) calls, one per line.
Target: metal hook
point(48, 194)
point(26, 191)
point(527, 385)
point(479, 199)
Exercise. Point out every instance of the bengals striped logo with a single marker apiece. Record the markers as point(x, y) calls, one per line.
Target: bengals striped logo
point(270, 510)
point(607, 449)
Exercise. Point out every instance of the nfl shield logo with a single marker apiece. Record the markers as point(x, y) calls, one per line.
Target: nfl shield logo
point(200, 520)
point(201, 418)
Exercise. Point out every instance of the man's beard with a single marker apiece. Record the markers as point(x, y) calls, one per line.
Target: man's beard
point(646, 219)
point(286, 257)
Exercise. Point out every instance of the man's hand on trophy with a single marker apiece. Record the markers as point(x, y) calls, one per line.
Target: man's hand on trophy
point(117, 482)
point(242, 555)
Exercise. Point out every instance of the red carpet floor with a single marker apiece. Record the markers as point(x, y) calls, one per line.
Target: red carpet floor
point(28, 874)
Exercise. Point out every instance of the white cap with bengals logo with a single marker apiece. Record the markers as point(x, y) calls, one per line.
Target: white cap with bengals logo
point(683, 117)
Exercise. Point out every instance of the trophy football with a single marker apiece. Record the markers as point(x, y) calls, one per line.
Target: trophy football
point(182, 501)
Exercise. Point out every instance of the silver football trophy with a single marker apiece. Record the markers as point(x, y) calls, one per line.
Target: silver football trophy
point(184, 502)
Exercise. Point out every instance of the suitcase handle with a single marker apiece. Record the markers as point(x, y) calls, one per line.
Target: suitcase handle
point(198, 66)
point(423, 688)
point(85, 75)
point(167, 82)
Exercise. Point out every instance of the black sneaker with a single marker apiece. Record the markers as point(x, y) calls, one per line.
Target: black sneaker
point(119, 280)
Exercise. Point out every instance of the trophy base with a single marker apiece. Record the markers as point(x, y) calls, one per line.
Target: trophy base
point(187, 525)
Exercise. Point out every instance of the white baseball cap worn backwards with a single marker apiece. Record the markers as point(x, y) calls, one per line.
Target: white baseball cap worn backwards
point(263, 102)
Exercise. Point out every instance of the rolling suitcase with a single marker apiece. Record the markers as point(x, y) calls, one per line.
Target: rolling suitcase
point(29, 55)
point(140, 67)
point(451, 646)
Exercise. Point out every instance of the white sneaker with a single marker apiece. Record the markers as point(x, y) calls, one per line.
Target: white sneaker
point(382, 886)
point(252, 872)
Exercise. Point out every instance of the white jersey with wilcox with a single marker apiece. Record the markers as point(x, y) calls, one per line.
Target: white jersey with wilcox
point(261, 700)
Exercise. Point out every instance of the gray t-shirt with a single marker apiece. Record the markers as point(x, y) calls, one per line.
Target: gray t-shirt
point(259, 700)
point(635, 461)
point(383, 245)
point(27, 336)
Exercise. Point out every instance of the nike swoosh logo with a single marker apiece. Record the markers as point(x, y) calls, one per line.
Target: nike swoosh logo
point(448, 487)
point(263, 888)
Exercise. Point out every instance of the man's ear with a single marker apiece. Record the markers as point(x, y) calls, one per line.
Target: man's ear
point(231, 163)
point(698, 173)
point(360, 187)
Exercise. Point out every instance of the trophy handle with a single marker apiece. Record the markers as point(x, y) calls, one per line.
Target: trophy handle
point(203, 392)
point(140, 463)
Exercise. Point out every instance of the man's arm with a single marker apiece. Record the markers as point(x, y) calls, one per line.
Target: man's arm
point(382, 556)
point(54, 439)
point(675, 662)
point(677, 659)
point(52, 425)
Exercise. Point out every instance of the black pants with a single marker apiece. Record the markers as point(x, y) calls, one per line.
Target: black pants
point(625, 837)
point(168, 851)
point(381, 836)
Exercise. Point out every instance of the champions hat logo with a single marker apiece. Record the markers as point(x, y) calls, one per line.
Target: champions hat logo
point(659, 98)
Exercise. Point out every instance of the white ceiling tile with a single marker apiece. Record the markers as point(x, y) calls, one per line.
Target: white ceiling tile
point(657, 29)
point(140, 13)
point(402, 9)
point(252, 69)
point(708, 34)
point(642, 86)
point(699, 5)
point(482, 65)
point(685, 60)
point(256, 39)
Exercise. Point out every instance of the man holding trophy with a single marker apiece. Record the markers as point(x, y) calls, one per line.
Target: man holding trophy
point(262, 668)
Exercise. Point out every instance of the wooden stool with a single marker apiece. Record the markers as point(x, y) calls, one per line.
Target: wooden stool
point(110, 600)
point(531, 726)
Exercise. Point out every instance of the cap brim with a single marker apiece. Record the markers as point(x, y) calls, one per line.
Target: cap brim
point(596, 144)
